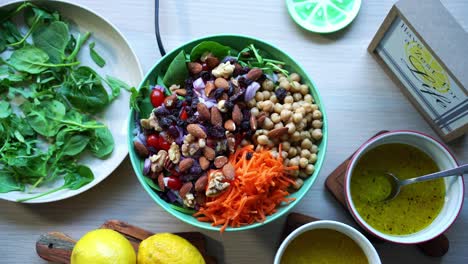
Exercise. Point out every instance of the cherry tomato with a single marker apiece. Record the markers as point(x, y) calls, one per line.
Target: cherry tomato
point(153, 141)
point(174, 183)
point(157, 97)
point(163, 144)
point(205, 67)
point(183, 114)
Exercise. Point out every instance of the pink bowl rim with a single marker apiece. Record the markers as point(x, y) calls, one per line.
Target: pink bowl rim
point(367, 143)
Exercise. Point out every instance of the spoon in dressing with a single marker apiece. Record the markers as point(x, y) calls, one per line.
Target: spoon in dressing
point(396, 183)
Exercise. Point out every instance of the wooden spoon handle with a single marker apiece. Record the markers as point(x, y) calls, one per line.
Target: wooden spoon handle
point(55, 247)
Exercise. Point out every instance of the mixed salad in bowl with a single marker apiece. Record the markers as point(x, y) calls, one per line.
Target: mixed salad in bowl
point(226, 135)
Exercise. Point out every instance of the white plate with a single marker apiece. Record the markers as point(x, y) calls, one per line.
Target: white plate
point(122, 63)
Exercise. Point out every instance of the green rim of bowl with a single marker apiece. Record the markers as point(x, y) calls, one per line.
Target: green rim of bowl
point(236, 40)
point(323, 16)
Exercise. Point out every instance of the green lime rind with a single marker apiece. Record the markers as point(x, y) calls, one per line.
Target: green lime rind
point(323, 16)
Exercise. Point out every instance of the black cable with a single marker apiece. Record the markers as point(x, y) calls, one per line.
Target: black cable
point(156, 28)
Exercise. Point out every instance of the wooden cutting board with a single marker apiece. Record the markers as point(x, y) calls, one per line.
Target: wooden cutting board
point(57, 247)
point(436, 247)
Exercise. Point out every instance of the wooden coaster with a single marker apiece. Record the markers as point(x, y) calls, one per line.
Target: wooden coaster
point(436, 247)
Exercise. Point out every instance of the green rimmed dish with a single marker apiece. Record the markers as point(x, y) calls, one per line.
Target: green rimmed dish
point(237, 42)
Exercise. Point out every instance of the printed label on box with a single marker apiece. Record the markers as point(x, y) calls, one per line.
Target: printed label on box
point(424, 77)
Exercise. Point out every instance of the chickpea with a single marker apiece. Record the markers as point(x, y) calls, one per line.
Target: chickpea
point(293, 162)
point(305, 134)
point(289, 99)
point(304, 89)
point(309, 169)
point(309, 117)
point(262, 140)
point(268, 124)
point(317, 114)
point(301, 125)
point(275, 117)
point(258, 147)
point(287, 106)
point(267, 106)
point(285, 115)
point(252, 103)
point(295, 77)
point(296, 136)
point(274, 99)
point(306, 144)
point(244, 143)
point(303, 175)
point(268, 85)
point(270, 144)
point(303, 162)
point(298, 183)
point(295, 87)
point(312, 158)
point(284, 137)
point(297, 97)
point(314, 149)
point(266, 95)
point(300, 110)
point(285, 145)
point(307, 107)
point(277, 108)
point(308, 98)
point(284, 155)
point(297, 118)
point(305, 153)
point(317, 134)
point(291, 128)
point(279, 125)
point(281, 78)
point(295, 105)
point(294, 173)
point(317, 124)
point(259, 96)
point(274, 153)
point(254, 111)
point(314, 107)
point(285, 84)
point(285, 160)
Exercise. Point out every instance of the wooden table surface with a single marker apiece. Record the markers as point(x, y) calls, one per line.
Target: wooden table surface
point(359, 97)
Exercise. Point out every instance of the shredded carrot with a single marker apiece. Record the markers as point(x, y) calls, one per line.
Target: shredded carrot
point(260, 186)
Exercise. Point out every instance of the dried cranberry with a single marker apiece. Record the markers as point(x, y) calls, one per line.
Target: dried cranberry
point(183, 114)
point(205, 67)
point(281, 94)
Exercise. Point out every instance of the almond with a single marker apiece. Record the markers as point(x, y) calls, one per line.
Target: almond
point(220, 161)
point(203, 111)
point(161, 181)
point(194, 68)
point(229, 171)
point(200, 197)
point(181, 92)
point(231, 142)
point(221, 83)
point(278, 132)
point(204, 163)
point(186, 188)
point(253, 122)
point(261, 119)
point(140, 149)
point(254, 74)
point(196, 131)
point(212, 62)
point(216, 118)
point(200, 184)
point(230, 125)
point(185, 164)
point(237, 115)
point(209, 88)
point(209, 153)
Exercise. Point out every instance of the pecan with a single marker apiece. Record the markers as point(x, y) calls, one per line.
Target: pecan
point(209, 153)
point(140, 149)
point(181, 92)
point(212, 62)
point(253, 122)
point(216, 118)
point(254, 74)
point(229, 171)
point(185, 189)
point(209, 88)
point(220, 161)
point(203, 111)
point(185, 164)
point(161, 181)
point(221, 83)
point(194, 68)
point(204, 163)
point(277, 132)
point(200, 184)
point(237, 115)
point(230, 125)
point(196, 131)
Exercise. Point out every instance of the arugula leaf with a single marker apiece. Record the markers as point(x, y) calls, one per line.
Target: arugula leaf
point(53, 40)
point(101, 142)
point(114, 82)
point(177, 71)
point(79, 43)
point(95, 56)
point(218, 50)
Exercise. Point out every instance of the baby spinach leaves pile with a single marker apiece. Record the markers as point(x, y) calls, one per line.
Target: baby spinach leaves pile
point(46, 103)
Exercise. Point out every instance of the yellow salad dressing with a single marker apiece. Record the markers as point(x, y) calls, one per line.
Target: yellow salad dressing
point(323, 246)
point(414, 208)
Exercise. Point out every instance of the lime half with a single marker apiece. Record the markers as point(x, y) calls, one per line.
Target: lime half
point(323, 16)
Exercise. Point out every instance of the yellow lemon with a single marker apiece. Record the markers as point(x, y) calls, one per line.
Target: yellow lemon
point(103, 246)
point(168, 248)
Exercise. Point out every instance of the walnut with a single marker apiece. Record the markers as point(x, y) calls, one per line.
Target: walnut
point(174, 153)
point(189, 200)
point(193, 148)
point(216, 184)
point(151, 123)
point(223, 70)
point(174, 87)
point(158, 161)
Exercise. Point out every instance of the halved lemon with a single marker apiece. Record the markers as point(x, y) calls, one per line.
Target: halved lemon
point(323, 16)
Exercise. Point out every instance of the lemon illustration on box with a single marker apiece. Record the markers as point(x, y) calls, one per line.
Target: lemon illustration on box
point(323, 16)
